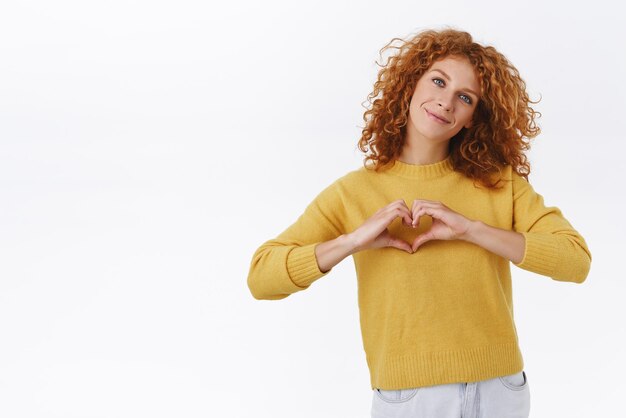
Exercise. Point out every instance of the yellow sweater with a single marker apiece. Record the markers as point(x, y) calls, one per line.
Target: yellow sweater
point(443, 314)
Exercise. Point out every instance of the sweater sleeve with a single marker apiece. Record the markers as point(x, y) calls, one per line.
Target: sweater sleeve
point(287, 264)
point(553, 247)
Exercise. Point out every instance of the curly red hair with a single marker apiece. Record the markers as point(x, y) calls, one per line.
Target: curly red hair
point(501, 120)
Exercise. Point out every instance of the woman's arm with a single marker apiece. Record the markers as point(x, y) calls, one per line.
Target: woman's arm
point(542, 240)
point(507, 244)
point(330, 253)
point(288, 263)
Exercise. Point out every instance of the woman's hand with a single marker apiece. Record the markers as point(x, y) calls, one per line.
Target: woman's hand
point(447, 224)
point(373, 232)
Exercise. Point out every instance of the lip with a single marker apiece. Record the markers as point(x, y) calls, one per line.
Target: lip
point(436, 118)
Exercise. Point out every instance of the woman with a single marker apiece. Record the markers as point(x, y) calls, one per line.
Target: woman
point(446, 134)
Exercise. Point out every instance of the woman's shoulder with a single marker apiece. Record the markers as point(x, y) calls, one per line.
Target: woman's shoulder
point(348, 183)
point(344, 182)
point(357, 175)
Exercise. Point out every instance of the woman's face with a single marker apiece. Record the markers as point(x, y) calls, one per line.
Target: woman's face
point(449, 89)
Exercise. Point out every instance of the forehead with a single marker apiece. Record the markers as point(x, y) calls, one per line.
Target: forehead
point(459, 69)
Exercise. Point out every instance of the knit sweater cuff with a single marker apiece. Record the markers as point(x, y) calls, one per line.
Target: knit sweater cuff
point(540, 253)
point(302, 265)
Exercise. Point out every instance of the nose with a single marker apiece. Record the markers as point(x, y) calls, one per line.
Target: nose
point(445, 103)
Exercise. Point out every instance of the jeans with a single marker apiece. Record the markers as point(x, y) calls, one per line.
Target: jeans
point(501, 397)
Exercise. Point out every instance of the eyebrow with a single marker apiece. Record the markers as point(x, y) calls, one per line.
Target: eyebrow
point(448, 77)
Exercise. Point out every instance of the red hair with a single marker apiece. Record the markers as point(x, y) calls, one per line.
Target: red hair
point(501, 120)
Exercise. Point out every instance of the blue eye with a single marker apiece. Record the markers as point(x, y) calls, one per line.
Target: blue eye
point(468, 101)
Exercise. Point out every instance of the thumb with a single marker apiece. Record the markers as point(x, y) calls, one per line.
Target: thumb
point(419, 240)
point(400, 244)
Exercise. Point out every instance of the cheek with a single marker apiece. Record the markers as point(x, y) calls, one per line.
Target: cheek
point(414, 112)
point(415, 106)
point(468, 115)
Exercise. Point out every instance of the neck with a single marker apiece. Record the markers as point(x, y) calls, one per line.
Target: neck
point(423, 156)
point(418, 150)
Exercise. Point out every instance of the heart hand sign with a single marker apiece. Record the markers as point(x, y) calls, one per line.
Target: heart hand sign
point(447, 225)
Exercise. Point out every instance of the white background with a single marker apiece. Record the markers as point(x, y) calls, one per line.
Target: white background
point(149, 147)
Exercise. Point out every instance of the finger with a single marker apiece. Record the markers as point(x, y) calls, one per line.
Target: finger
point(408, 220)
point(399, 210)
point(414, 208)
point(400, 244)
point(420, 240)
point(418, 205)
point(421, 211)
point(396, 203)
point(435, 212)
point(425, 204)
point(390, 206)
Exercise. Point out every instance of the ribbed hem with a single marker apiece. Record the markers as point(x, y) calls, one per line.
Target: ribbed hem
point(302, 265)
point(540, 253)
point(422, 171)
point(442, 367)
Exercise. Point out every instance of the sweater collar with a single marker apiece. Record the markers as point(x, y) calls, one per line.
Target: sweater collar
point(422, 171)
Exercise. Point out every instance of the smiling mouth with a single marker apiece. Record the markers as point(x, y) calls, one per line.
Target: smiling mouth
point(436, 118)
